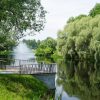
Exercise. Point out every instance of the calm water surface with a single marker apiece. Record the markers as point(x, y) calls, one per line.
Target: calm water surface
point(79, 80)
point(74, 80)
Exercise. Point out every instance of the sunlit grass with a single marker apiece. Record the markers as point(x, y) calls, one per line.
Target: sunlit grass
point(21, 87)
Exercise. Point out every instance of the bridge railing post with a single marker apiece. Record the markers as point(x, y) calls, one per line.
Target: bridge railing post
point(19, 62)
point(20, 72)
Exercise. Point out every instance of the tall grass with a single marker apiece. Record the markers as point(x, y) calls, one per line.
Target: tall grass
point(22, 87)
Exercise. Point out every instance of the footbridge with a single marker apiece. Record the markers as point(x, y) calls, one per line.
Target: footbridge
point(27, 67)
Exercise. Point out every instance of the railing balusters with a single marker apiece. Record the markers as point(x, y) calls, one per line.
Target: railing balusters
point(26, 67)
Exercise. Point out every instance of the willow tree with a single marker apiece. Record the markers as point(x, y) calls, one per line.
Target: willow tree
point(21, 15)
point(83, 38)
point(95, 10)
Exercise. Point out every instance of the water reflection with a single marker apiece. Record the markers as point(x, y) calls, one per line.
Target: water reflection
point(79, 79)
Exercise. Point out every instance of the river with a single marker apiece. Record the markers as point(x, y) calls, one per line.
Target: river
point(74, 80)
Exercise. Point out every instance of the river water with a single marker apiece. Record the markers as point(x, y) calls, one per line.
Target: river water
point(74, 80)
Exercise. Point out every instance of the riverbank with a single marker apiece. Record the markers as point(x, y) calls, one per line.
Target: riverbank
point(22, 87)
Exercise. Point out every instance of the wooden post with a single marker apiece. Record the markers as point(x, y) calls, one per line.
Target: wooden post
point(20, 69)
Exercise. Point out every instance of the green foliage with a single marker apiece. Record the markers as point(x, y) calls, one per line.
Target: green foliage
point(20, 15)
point(80, 38)
point(6, 43)
point(56, 57)
point(95, 11)
point(46, 48)
point(16, 17)
point(71, 19)
point(19, 87)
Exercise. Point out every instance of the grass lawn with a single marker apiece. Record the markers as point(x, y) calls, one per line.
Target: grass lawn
point(23, 87)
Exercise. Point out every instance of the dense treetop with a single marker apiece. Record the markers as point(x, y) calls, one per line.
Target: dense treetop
point(46, 48)
point(95, 11)
point(20, 15)
point(80, 38)
point(16, 17)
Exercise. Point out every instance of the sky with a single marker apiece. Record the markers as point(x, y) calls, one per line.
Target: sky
point(58, 12)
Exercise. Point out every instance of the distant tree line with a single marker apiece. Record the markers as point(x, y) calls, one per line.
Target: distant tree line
point(33, 44)
point(46, 48)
